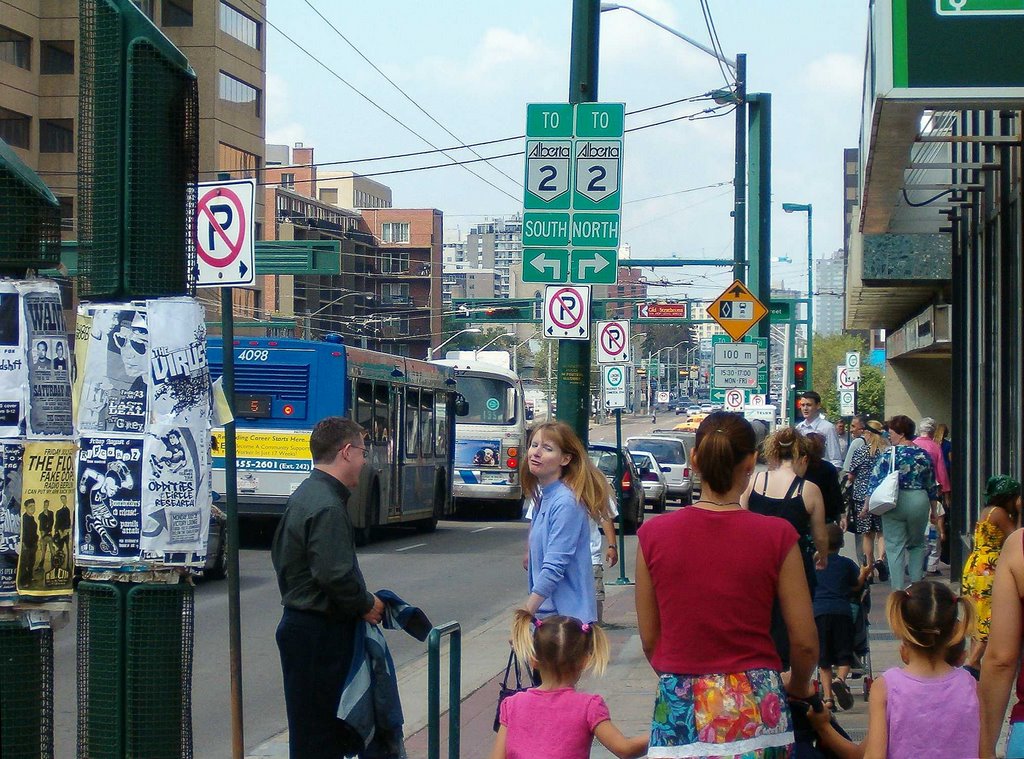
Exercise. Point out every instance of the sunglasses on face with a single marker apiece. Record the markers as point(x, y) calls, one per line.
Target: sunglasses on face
point(136, 341)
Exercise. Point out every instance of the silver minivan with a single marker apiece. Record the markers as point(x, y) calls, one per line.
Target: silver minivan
point(671, 454)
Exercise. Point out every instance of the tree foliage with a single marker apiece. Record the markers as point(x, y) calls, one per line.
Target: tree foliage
point(830, 352)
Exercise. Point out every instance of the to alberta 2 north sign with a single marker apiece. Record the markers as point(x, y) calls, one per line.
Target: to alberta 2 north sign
point(573, 192)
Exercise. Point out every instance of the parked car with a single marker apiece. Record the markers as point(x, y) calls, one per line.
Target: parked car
point(693, 409)
point(652, 478)
point(216, 567)
point(671, 453)
point(611, 461)
point(707, 408)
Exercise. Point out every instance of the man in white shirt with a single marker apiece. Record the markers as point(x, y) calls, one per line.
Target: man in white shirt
point(810, 407)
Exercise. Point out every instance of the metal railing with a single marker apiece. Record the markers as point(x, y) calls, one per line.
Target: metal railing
point(454, 630)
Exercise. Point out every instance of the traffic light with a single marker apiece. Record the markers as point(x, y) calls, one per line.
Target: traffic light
point(800, 375)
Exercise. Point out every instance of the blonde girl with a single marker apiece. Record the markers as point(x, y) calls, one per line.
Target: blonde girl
point(928, 707)
point(554, 720)
point(570, 492)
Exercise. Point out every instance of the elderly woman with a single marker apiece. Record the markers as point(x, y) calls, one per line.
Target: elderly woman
point(867, 525)
point(904, 526)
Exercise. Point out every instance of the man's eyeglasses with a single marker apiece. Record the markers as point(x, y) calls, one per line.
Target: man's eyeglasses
point(357, 448)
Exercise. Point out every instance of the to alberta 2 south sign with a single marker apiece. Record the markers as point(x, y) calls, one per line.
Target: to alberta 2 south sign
point(573, 195)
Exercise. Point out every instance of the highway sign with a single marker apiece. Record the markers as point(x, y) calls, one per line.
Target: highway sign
point(717, 394)
point(615, 386)
point(545, 265)
point(595, 266)
point(613, 342)
point(567, 312)
point(661, 310)
point(606, 120)
point(847, 400)
point(843, 379)
point(598, 176)
point(737, 310)
point(965, 8)
point(549, 120)
point(723, 377)
point(224, 233)
point(548, 174)
point(595, 230)
point(735, 354)
point(734, 400)
point(545, 230)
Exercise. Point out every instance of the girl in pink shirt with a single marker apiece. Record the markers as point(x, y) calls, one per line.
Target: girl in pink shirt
point(554, 720)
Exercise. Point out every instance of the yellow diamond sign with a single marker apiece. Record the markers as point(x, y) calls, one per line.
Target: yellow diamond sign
point(737, 310)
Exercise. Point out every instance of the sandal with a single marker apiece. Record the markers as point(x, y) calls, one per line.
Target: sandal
point(842, 694)
point(829, 704)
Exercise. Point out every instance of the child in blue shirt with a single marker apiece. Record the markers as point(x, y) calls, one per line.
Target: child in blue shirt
point(836, 584)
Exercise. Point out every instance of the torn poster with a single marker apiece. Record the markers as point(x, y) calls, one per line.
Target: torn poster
point(109, 519)
point(49, 372)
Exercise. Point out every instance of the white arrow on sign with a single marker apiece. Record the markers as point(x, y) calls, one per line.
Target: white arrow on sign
point(595, 264)
point(542, 263)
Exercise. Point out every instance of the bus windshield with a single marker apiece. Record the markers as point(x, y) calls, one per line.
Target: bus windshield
point(491, 400)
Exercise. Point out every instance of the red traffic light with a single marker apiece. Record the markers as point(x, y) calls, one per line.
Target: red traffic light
point(800, 375)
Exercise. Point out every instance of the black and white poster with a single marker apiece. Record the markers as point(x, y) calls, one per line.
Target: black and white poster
point(13, 366)
point(177, 498)
point(180, 375)
point(49, 360)
point(83, 326)
point(10, 497)
point(109, 519)
point(8, 575)
point(114, 391)
point(45, 562)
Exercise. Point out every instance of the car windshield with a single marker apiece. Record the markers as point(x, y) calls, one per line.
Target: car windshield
point(665, 451)
point(606, 461)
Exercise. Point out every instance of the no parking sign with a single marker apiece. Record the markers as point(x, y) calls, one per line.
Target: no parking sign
point(224, 232)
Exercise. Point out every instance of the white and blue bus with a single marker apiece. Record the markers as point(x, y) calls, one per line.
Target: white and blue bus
point(489, 438)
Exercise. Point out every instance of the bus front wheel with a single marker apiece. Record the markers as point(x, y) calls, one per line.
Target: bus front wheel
point(364, 534)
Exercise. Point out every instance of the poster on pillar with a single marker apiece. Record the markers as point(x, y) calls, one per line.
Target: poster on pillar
point(109, 514)
point(114, 390)
point(13, 363)
point(11, 452)
point(49, 369)
point(45, 562)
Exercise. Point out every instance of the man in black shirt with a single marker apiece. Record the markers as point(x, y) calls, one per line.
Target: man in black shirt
point(322, 590)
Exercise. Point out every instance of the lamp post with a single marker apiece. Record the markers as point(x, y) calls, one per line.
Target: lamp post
point(496, 338)
point(515, 351)
point(468, 330)
point(306, 319)
point(807, 208)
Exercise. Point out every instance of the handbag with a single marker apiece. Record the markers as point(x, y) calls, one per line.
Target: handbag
point(883, 499)
point(507, 688)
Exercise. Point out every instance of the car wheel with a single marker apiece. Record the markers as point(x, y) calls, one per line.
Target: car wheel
point(659, 505)
point(219, 569)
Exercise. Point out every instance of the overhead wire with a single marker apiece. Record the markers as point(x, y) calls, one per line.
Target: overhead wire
point(709, 22)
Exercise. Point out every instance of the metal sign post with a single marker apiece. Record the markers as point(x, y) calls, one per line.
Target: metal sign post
point(623, 580)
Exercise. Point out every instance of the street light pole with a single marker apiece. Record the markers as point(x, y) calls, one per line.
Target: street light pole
point(469, 330)
point(809, 210)
point(492, 341)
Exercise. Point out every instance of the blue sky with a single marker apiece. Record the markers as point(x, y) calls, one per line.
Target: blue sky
point(475, 64)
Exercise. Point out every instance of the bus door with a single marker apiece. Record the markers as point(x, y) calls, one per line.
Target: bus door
point(410, 445)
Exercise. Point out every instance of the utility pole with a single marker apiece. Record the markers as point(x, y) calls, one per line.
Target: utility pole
point(574, 355)
point(739, 209)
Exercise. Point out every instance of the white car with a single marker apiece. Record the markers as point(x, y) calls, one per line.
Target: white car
point(652, 478)
point(673, 459)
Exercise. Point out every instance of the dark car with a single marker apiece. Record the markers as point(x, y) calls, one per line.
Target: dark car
point(611, 461)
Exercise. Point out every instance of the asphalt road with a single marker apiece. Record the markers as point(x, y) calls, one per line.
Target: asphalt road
point(468, 571)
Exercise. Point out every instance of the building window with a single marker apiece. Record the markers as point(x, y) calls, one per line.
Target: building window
point(14, 128)
point(287, 180)
point(394, 262)
point(56, 136)
point(240, 163)
point(329, 195)
point(177, 13)
point(396, 231)
point(57, 57)
point(15, 48)
point(240, 26)
point(146, 6)
point(67, 212)
point(394, 294)
point(234, 90)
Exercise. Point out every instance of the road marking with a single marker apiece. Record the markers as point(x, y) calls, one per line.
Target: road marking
point(482, 529)
point(409, 548)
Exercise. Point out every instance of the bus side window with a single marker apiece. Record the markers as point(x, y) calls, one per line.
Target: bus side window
point(382, 396)
point(412, 422)
point(427, 422)
point(441, 417)
point(362, 411)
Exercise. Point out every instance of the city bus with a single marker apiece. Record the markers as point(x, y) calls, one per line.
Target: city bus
point(284, 386)
point(489, 437)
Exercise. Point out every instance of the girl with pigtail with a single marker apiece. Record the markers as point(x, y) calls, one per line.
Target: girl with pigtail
point(554, 720)
point(928, 707)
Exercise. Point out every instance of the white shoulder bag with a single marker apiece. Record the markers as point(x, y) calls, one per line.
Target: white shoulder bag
point(883, 499)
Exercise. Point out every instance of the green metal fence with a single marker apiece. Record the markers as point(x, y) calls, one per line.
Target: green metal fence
point(454, 631)
point(26, 698)
point(29, 218)
point(135, 644)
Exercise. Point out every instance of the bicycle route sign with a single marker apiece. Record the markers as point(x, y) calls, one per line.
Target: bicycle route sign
point(573, 192)
point(567, 312)
point(613, 342)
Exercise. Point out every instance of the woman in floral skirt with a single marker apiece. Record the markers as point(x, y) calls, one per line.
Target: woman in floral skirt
point(720, 690)
point(998, 519)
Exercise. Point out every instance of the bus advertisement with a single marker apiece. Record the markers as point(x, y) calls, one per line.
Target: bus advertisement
point(284, 386)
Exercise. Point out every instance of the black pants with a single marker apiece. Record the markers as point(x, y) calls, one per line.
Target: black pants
point(316, 652)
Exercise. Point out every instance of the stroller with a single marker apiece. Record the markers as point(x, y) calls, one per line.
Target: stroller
point(861, 607)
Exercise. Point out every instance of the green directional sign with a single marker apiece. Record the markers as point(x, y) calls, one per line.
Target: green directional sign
point(594, 230)
point(594, 266)
point(718, 393)
point(598, 171)
point(545, 230)
point(548, 174)
point(545, 265)
point(988, 7)
point(549, 120)
point(600, 120)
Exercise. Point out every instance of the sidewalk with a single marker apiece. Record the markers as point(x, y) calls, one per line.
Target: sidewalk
point(628, 685)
